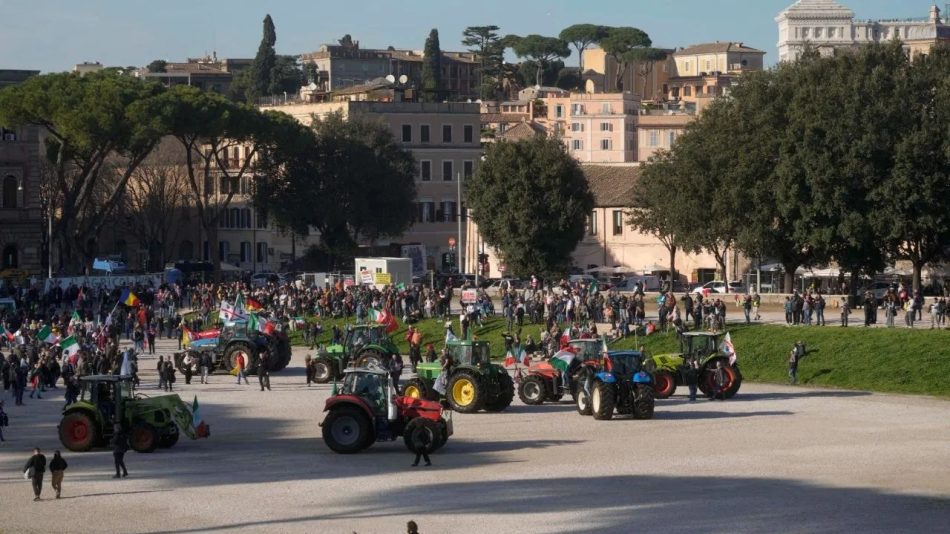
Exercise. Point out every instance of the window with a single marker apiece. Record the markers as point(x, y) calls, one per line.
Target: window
point(618, 222)
point(7, 135)
point(10, 186)
point(654, 138)
point(708, 66)
point(424, 133)
point(468, 133)
point(406, 133)
point(577, 144)
point(699, 90)
point(425, 170)
point(245, 251)
point(687, 91)
point(447, 170)
point(606, 144)
point(577, 127)
point(261, 219)
point(224, 248)
point(559, 111)
point(246, 216)
point(577, 109)
point(448, 211)
point(606, 127)
point(10, 257)
point(468, 169)
point(262, 252)
point(805, 33)
point(605, 108)
point(206, 251)
point(446, 133)
point(672, 137)
point(592, 223)
point(686, 66)
point(425, 211)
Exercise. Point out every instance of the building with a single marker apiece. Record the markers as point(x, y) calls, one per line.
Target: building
point(206, 73)
point(445, 139)
point(709, 70)
point(346, 64)
point(829, 26)
point(23, 223)
point(658, 127)
point(647, 80)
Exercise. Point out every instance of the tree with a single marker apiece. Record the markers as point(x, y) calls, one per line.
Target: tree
point(625, 45)
point(550, 73)
point(159, 65)
point(286, 77)
point(530, 200)
point(348, 179)
point(654, 194)
point(569, 80)
point(582, 36)
point(264, 62)
point(539, 49)
point(100, 127)
point(485, 42)
point(432, 68)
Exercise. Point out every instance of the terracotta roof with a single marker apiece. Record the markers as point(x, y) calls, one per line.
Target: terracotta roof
point(491, 118)
point(718, 48)
point(521, 131)
point(612, 185)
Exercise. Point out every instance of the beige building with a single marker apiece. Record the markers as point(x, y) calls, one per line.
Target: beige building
point(647, 80)
point(829, 26)
point(445, 140)
point(595, 127)
point(657, 129)
point(709, 70)
point(206, 73)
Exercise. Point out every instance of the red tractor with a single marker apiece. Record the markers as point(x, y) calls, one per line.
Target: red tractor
point(545, 382)
point(366, 409)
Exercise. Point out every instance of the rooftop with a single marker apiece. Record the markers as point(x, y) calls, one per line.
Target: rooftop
point(611, 185)
point(718, 48)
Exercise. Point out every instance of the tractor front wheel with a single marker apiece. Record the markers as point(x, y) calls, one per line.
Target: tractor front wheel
point(665, 384)
point(78, 432)
point(643, 402)
point(240, 349)
point(532, 390)
point(416, 389)
point(583, 402)
point(423, 434)
point(322, 370)
point(144, 438)
point(347, 430)
point(169, 440)
point(501, 398)
point(465, 392)
point(603, 400)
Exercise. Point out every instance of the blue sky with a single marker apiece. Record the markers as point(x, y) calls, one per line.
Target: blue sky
point(53, 35)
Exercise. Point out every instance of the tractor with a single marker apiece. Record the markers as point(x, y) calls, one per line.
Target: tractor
point(363, 346)
point(544, 382)
point(237, 339)
point(621, 386)
point(669, 370)
point(472, 382)
point(109, 400)
point(366, 410)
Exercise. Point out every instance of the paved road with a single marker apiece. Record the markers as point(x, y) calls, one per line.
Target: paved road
point(773, 459)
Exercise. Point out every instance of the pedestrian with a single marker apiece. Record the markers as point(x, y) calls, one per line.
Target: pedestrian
point(719, 382)
point(422, 445)
point(692, 377)
point(794, 357)
point(819, 310)
point(4, 421)
point(845, 311)
point(263, 374)
point(747, 308)
point(169, 371)
point(162, 382)
point(308, 367)
point(205, 362)
point(36, 380)
point(187, 364)
point(756, 304)
point(239, 364)
point(909, 313)
point(430, 353)
point(34, 469)
point(120, 444)
point(395, 369)
point(151, 339)
point(57, 468)
point(788, 310)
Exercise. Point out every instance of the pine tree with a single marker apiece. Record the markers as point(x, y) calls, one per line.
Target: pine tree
point(264, 62)
point(432, 68)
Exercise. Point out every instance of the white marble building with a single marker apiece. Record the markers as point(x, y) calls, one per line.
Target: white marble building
point(829, 26)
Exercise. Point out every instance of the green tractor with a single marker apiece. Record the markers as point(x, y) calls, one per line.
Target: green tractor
point(669, 370)
point(108, 400)
point(473, 383)
point(364, 345)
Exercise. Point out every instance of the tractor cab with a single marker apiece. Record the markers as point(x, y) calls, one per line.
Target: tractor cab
point(374, 386)
point(107, 393)
point(362, 335)
point(587, 350)
point(624, 363)
point(469, 353)
point(699, 344)
point(231, 330)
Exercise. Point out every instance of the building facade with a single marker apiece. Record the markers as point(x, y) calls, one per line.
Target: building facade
point(709, 70)
point(445, 140)
point(23, 224)
point(829, 26)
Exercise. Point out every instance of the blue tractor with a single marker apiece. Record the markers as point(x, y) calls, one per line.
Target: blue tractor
point(620, 385)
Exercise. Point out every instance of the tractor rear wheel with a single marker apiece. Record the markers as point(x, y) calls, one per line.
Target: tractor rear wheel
point(532, 390)
point(144, 438)
point(322, 370)
point(169, 440)
point(465, 392)
point(665, 384)
point(242, 349)
point(736, 383)
point(347, 430)
point(280, 352)
point(370, 358)
point(582, 399)
point(444, 429)
point(423, 433)
point(415, 388)
point(708, 381)
point(603, 400)
point(78, 432)
point(643, 402)
point(501, 398)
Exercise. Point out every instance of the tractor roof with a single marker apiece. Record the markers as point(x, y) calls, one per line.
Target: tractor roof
point(373, 370)
point(105, 378)
point(700, 334)
point(614, 353)
point(466, 342)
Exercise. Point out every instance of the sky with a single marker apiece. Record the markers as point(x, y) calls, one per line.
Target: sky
point(54, 35)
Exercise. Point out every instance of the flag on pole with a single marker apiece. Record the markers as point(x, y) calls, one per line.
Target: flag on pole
point(385, 318)
point(75, 319)
point(253, 305)
point(128, 298)
point(70, 347)
point(523, 356)
point(46, 335)
point(509, 359)
point(239, 304)
point(6, 333)
point(727, 347)
point(566, 337)
point(562, 360)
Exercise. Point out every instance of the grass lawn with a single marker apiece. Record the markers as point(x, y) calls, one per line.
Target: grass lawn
point(894, 360)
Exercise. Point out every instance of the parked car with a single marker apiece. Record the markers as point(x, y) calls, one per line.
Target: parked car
point(649, 283)
point(718, 286)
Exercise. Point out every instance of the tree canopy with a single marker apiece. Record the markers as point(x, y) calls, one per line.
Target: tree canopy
point(582, 36)
point(432, 68)
point(485, 42)
point(539, 49)
point(626, 45)
point(530, 200)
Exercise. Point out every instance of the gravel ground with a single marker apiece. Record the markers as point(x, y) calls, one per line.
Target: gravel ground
point(772, 459)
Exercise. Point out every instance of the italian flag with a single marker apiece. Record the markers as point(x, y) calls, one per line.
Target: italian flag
point(562, 360)
point(201, 429)
point(509, 359)
point(385, 318)
point(46, 335)
point(566, 336)
point(70, 347)
point(6, 333)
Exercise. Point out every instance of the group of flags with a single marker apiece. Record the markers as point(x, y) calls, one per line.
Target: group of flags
point(385, 318)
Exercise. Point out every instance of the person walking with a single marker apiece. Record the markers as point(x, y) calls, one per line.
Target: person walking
point(845, 311)
point(794, 357)
point(692, 377)
point(162, 382)
point(422, 446)
point(169, 371)
point(57, 468)
point(34, 469)
point(239, 364)
point(187, 364)
point(819, 309)
point(308, 367)
point(4, 421)
point(719, 382)
point(756, 304)
point(120, 444)
point(747, 308)
point(150, 336)
point(263, 374)
point(205, 364)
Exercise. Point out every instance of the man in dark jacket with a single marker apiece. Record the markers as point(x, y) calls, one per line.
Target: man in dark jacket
point(263, 374)
point(35, 467)
point(120, 444)
point(57, 468)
